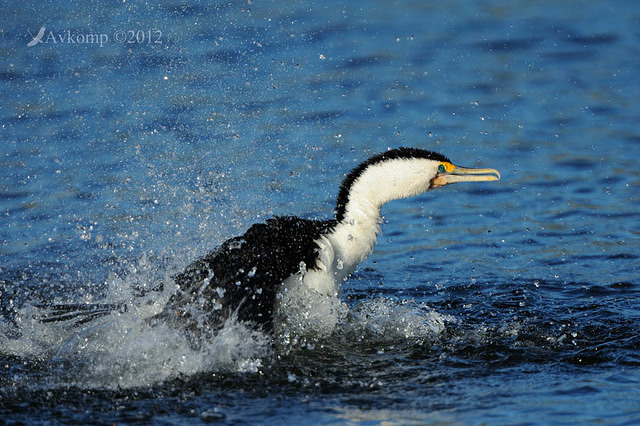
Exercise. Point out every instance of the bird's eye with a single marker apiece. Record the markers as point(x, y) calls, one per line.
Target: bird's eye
point(441, 168)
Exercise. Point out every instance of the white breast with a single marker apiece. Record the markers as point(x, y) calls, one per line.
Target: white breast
point(309, 300)
point(339, 252)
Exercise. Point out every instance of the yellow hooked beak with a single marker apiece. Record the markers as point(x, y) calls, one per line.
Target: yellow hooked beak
point(449, 173)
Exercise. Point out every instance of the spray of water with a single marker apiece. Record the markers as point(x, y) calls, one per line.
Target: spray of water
point(125, 349)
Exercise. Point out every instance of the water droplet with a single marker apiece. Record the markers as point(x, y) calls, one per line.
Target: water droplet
point(210, 416)
point(340, 264)
point(236, 244)
point(252, 272)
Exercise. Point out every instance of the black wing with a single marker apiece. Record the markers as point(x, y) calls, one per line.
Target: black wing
point(79, 313)
point(243, 276)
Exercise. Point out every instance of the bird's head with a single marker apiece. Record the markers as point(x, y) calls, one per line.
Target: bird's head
point(402, 173)
point(448, 173)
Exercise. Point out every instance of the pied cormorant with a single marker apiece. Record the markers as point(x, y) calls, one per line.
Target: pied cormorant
point(244, 275)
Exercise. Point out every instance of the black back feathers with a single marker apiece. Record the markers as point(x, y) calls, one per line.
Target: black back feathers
point(244, 274)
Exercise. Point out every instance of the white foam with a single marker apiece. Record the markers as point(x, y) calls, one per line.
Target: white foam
point(304, 315)
point(125, 350)
point(390, 319)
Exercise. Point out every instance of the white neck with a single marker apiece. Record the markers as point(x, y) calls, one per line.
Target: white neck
point(377, 185)
point(354, 237)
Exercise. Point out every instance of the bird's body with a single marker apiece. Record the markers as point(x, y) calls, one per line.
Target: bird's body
point(244, 276)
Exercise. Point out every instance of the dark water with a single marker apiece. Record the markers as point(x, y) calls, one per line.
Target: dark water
point(508, 302)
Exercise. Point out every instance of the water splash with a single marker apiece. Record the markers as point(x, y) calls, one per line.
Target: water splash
point(389, 319)
point(124, 349)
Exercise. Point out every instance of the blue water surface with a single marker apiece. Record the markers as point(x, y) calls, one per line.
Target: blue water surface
point(137, 137)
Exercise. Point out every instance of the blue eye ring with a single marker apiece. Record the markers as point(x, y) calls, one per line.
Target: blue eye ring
point(442, 168)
